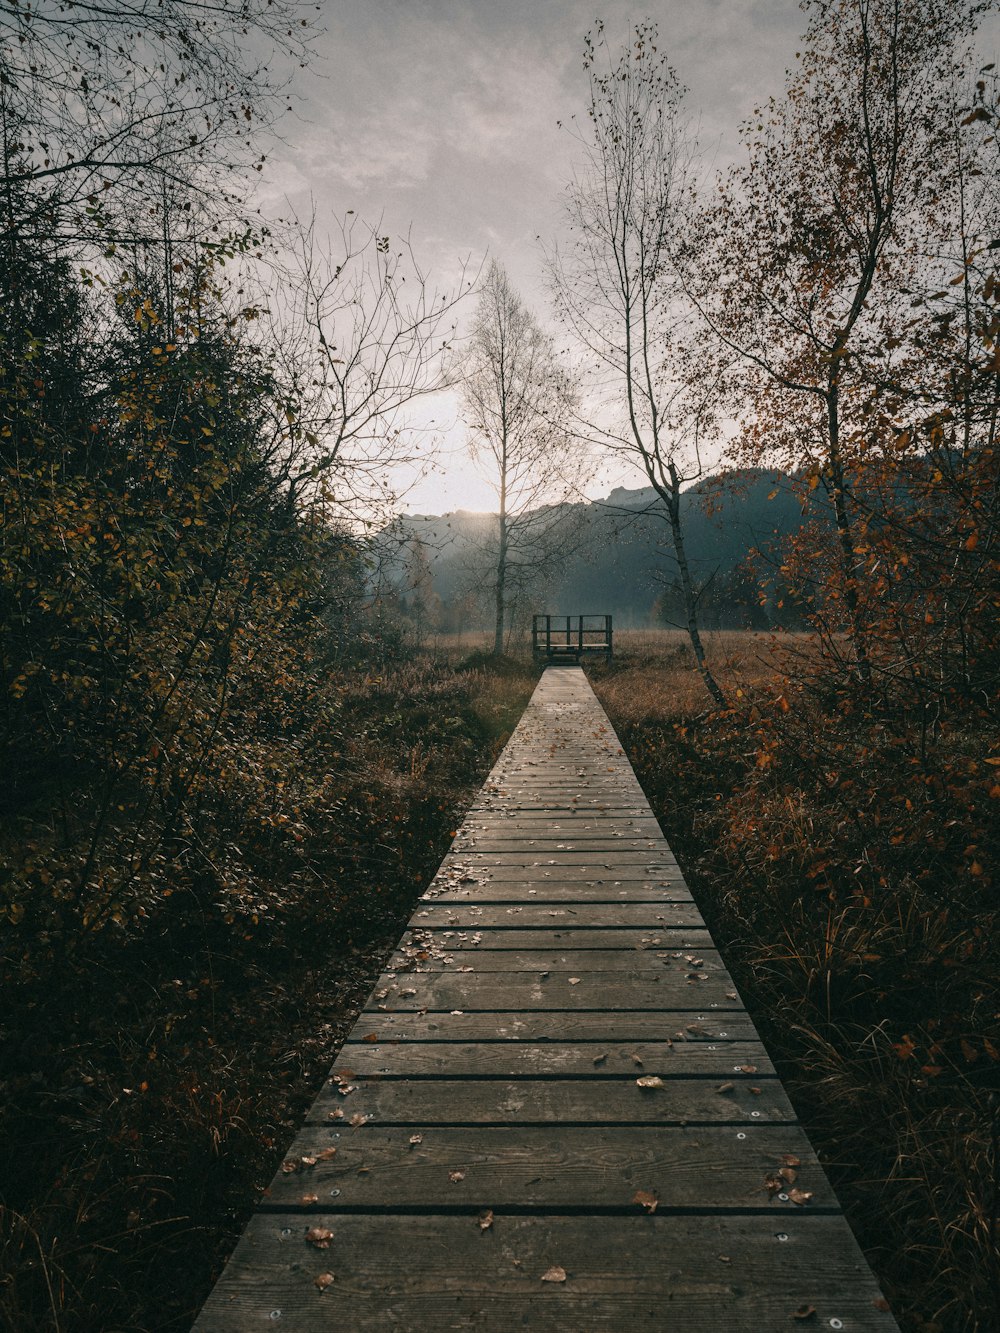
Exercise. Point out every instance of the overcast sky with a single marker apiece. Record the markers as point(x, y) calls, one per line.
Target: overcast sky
point(441, 117)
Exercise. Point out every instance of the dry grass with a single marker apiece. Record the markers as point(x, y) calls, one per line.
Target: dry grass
point(849, 888)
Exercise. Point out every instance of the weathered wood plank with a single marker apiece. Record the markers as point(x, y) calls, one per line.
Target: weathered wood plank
point(485, 939)
point(704, 1167)
point(512, 889)
point(595, 1059)
point(749, 1099)
point(452, 956)
point(648, 918)
point(490, 991)
point(695, 1026)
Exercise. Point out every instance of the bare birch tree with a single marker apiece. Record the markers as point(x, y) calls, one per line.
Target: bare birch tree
point(617, 289)
point(518, 404)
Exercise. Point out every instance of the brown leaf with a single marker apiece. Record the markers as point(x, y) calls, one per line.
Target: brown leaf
point(320, 1237)
point(724, 1087)
point(415, 1139)
point(335, 1115)
point(789, 1174)
point(880, 1303)
point(371, 1038)
point(309, 1198)
point(356, 1121)
point(323, 1281)
point(555, 1274)
point(637, 1060)
point(748, 1069)
point(600, 1059)
point(287, 1167)
point(649, 1081)
point(456, 1176)
point(574, 981)
point(326, 1154)
point(774, 1185)
point(801, 1197)
point(789, 1159)
point(486, 1220)
point(646, 1200)
point(804, 1312)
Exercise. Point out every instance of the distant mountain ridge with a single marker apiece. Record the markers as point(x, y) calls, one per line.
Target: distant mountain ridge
point(621, 559)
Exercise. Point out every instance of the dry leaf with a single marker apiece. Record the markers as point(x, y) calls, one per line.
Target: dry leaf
point(320, 1237)
point(323, 1281)
point(774, 1185)
point(789, 1174)
point(371, 1038)
point(649, 1081)
point(289, 1166)
point(415, 1139)
point(456, 1176)
point(748, 1069)
point(880, 1303)
point(335, 1115)
point(358, 1120)
point(574, 981)
point(309, 1198)
point(637, 1060)
point(486, 1220)
point(804, 1312)
point(308, 1161)
point(789, 1159)
point(326, 1154)
point(724, 1087)
point(600, 1059)
point(555, 1274)
point(801, 1197)
point(646, 1200)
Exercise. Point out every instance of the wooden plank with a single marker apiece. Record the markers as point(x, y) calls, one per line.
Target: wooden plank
point(645, 917)
point(695, 1026)
point(486, 939)
point(637, 1274)
point(510, 890)
point(595, 1059)
point(750, 1099)
point(556, 1166)
point(450, 956)
point(491, 991)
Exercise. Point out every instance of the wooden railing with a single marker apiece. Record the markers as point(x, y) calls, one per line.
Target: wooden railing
point(561, 637)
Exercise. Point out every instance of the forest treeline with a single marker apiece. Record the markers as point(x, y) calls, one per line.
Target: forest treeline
point(225, 775)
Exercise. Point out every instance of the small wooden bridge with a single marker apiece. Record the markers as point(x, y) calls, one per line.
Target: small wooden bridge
point(554, 1112)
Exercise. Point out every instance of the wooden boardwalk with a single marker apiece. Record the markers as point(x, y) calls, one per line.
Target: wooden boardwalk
point(554, 1112)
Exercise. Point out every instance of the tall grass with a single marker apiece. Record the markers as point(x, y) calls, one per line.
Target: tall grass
point(849, 887)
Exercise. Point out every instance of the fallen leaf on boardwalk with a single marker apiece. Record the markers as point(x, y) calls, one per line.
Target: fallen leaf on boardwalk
point(804, 1312)
point(646, 1200)
point(345, 1089)
point(748, 1069)
point(724, 1087)
point(289, 1166)
point(756, 1091)
point(486, 1220)
point(574, 981)
point(555, 1274)
point(371, 1038)
point(335, 1115)
point(801, 1197)
point(789, 1159)
point(456, 1176)
point(774, 1185)
point(407, 993)
point(358, 1120)
point(637, 1060)
point(325, 1154)
point(724, 1259)
point(731, 995)
point(308, 1161)
point(880, 1303)
point(600, 1059)
point(415, 1139)
point(789, 1173)
point(309, 1198)
point(323, 1281)
point(649, 1081)
point(320, 1237)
